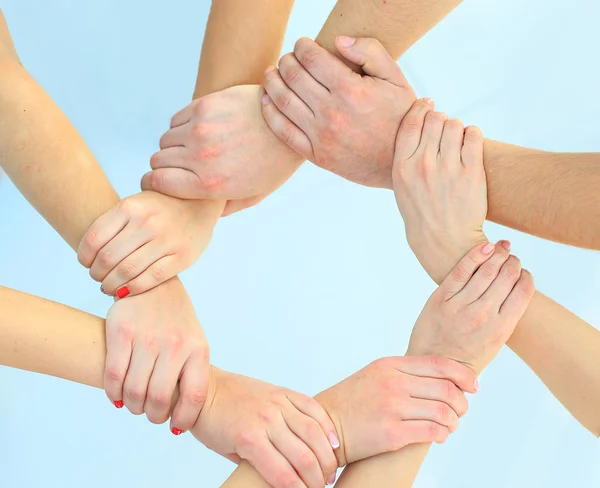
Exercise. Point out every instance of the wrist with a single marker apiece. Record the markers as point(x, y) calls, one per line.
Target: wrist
point(438, 253)
point(324, 400)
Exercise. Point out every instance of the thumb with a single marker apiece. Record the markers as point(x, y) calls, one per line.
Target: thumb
point(372, 57)
point(175, 182)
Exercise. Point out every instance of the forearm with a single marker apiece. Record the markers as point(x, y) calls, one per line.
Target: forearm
point(397, 24)
point(550, 195)
point(563, 351)
point(242, 38)
point(47, 159)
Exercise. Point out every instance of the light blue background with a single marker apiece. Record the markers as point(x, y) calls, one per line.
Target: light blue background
point(317, 281)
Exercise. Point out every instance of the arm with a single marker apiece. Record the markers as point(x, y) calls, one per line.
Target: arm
point(397, 24)
point(242, 38)
point(547, 194)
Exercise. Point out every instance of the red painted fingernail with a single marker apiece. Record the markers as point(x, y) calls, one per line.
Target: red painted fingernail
point(123, 292)
point(119, 404)
point(176, 431)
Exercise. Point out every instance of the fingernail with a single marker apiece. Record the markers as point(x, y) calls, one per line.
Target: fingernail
point(488, 248)
point(477, 386)
point(429, 100)
point(269, 69)
point(176, 431)
point(346, 41)
point(119, 404)
point(331, 479)
point(122, 292)
point(333, 440)
point(102, 290)
point(266, 99)
point(506, 245)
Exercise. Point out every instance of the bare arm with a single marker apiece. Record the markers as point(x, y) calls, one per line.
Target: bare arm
point(242, 38)
point(547, 194)
point(397, 24)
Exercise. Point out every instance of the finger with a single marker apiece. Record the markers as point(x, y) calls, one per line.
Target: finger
point(323, 66)
point(285, 130)
point(175, 137)
point(272, 465)
point(452, 142)
point(100, 233)
point(438, 412)
point(193, 388)
point(119, 347)
point(309, 406)
point(161, 387)
point(485, 274)
point(158, 272)
point(517, 302)
point(131, 267)
point(124, 244)
point(309, 90)
point(504, 283)
point(298, 454)
point(372, 57)
point(441, 390)
point(411, 128)
point(464, 270)
point(138, 376)
point(171, 157)
point(423, 432)
point(176, 182)
point(286, 100)
point(432, 133)
point(311, 434)
point(183, 116)
point(472, 150)
point(439, 368)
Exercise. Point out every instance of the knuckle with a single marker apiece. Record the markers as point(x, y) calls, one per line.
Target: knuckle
point(307, 460)
point(527, 284)
point(454, 124)
point(160, 399)
point(283, 99)
point(412, 124)
point(461, 273)
point(207, 153)
point(512, 269)
point(285, 479)
point(90, 241)
point(154, 160)
point(442, 413)
point(435, 362)
point(105, 258)
point(196, 396)
point(158, 274)
point(489, 270)
point(135, 393)
point(127, 270)
point(114, 374)
point(310, 58)
point(130, 206)
point(247, 439)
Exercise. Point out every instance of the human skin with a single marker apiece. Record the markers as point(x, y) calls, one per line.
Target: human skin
point(158, 239)
point(347, 124)
point(437, 165)
point(155, 341)
point(46, 337)
point(220, 146)
point(51, 165)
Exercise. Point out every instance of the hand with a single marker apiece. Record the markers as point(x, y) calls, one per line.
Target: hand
point(285, 435)
point(145, 240)
point(440, 187)
point(154, 340)
point(219, 147)
point(339, 120)
point(475, 310)
point(397, 401)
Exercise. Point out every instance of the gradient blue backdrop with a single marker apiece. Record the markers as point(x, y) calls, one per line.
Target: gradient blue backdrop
point(317, 281)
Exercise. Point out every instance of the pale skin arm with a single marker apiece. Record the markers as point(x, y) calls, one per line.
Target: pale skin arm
point(242, 38)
